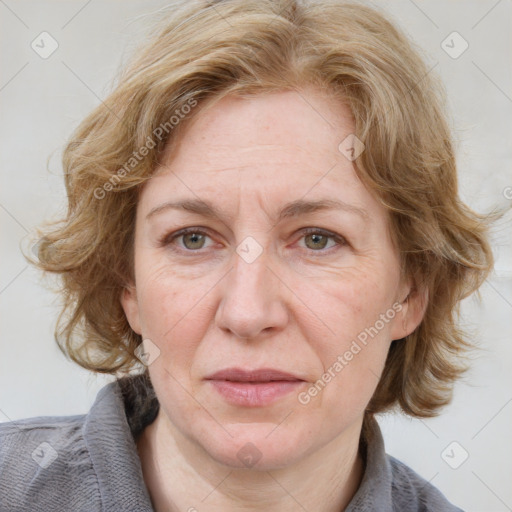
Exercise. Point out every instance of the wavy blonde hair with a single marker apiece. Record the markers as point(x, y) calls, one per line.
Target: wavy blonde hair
point(207, 50)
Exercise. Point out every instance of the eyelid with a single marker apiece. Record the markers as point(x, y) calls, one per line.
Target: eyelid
point(324, 232)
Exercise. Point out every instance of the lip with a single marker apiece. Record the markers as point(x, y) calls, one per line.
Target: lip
point(258, 375)
point(253, 388)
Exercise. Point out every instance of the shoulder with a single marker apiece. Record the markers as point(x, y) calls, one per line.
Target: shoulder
point(410, 491)
point(44, 462)
point(389, 485)
point(84, 463)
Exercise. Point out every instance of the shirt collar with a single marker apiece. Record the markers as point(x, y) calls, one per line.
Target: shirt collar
point(113, 453)
point(374, 492)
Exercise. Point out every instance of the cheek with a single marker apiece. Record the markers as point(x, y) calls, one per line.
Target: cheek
point(350, 302)
point(173, 314)
point(357, 311)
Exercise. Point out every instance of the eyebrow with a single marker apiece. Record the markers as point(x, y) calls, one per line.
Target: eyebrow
point(290, 210)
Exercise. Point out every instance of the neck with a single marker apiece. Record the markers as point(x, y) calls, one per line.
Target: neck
point(179, 475)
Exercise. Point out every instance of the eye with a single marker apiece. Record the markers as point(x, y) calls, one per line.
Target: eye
point(192, 239)
point(317, 239)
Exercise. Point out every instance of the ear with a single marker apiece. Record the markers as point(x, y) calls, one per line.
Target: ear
point(410, 312)
point(131, 307)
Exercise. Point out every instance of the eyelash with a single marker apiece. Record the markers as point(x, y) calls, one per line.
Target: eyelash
point(168, 239)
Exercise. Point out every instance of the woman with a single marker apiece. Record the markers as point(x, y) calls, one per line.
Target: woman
point(263, 217)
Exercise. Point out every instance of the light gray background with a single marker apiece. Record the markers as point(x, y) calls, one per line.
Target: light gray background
point(43, 100)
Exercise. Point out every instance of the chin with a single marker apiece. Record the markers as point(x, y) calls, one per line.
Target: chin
point(252, 447)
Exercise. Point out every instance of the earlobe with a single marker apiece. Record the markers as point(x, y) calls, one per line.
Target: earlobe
point(131, 307)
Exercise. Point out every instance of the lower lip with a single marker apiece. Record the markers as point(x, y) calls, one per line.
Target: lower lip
point(248, 394)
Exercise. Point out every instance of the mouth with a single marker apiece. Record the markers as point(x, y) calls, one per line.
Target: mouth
point(253, 388)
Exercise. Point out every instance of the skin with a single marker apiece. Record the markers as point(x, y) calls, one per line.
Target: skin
point(296, 307)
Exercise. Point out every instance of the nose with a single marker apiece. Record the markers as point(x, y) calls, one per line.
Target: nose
point(252, 300)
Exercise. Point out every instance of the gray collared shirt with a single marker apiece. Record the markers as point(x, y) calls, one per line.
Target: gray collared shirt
point(89, 463)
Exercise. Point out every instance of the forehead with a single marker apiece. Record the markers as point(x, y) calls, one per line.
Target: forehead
point(272, 147)
point(307, 120)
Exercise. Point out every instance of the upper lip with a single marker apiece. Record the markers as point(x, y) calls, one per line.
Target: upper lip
point(258, 375)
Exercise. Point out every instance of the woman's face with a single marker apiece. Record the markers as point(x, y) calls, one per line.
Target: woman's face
point(269, 282)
